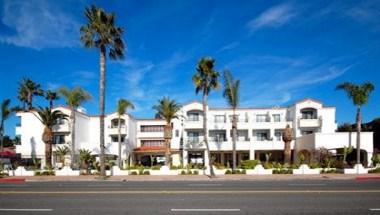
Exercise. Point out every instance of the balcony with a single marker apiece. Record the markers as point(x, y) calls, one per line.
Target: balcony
point(61, 128)
point(309, 123)
point(194, 143)
point(115, 130)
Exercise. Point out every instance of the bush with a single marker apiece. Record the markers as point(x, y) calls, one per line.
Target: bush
point(268, 166)
point(376, 159)
point(157, 167)
point(195, 172)
point(314, 165)
point(282, 171)
point(228, 172)
point(327, 171)
point(235, 172)
point(134, 173)
point(146, 173)
point(377, 170)
point(219, 166)
point(183, 172)
point(249, 164)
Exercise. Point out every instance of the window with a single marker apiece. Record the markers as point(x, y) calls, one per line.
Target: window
point(220, 118)
point(261, 136)
point(59, 139)
point(309, 114)
point(152, 143)
point(193, 117)
point(278, 135)
point(115, 123)
point(152, 128)
point(59, 122)
point(177, 133)
point(276, 118)
point(193, 137)
point(307, 132)
point(261, 118)
point(115, 139)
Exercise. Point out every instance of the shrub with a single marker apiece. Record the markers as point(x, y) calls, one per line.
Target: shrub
point(173, 167)
point(268, 166)
point(183, 172)
point(376, 159)
point(195, 172)
point(282, 171)
point(134, 173)
point(219, 166)
point(228, 172)
point(377, 170)
point(146, 173)
point(157, 167)
point(327, 171)
point(314, 165)
point(249, 164)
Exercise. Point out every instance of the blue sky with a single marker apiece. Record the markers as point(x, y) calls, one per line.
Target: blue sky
point(282, 51)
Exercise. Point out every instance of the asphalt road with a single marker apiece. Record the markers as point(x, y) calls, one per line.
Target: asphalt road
point(192, 197)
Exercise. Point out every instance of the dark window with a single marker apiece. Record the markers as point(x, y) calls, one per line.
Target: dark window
point(152, 143)
point(152, 128)
point(59, 139)
point(116, 139)
point(177, 133)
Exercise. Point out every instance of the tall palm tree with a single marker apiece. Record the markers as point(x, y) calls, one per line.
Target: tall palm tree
point(231, 93)
point(100, 32)
point(48, 119)
point(51, 96)
point(27, 89)
point(122, 106)
point(206, 80)
point(167, 109)
point(359, 95)
point(74, 98)
point(5, 114)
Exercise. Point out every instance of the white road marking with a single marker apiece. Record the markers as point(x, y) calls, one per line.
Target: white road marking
point(205, 210)
point(374, 209)
point(104, 185)
point(204, 185)
point(307, 184)
point(25, 209)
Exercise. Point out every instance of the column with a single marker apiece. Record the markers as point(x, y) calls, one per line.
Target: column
point(251, 154)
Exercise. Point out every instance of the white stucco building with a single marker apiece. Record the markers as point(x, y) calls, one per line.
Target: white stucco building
point(259, 133)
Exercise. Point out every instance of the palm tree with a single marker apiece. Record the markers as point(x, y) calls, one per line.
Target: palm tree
point(359, 95)
point(5, 114)
point(206, 80)
point(62, 152)
point(74, 98)
point(122, 106)
point(100, 32)
point(85, 158)
point(48, 119)
point(51, 96)
point(167, 109)
point(231, 93)
point(27, 90)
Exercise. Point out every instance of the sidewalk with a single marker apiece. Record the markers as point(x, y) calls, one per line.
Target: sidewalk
point(194, 178)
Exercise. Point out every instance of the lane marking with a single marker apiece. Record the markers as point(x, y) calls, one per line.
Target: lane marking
point(191, 192)
point(374, 209)
point(307, 184)
point(205, 210)
point(104, 185)
point(204, 185)
point(25, 209)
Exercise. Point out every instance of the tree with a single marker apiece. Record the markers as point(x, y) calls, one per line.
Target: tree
point(231, 93)
point(122, 106)
point(287, 137)
point(359, 95)
point(100, 32)
point(48, 119)
point(62, 152)
point(27, 90)
point(5, 114)
point(74, 98)
point(85, 158)
point(167, 109)
point(206, 80)
point(51, 96)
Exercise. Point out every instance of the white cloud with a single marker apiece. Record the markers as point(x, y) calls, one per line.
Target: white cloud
point(38, 24)
point(273, 17)
point(229, 46)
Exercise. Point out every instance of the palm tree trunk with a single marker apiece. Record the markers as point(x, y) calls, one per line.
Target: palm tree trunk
point(234, 137)
point(72, 151)
point(358, 130)
point(205, 131)
point(119, 140)
point(47, 137)
point(51, 104)
point(167, 136)
point(30, 101)
point(102, 84)
point(2, 135)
